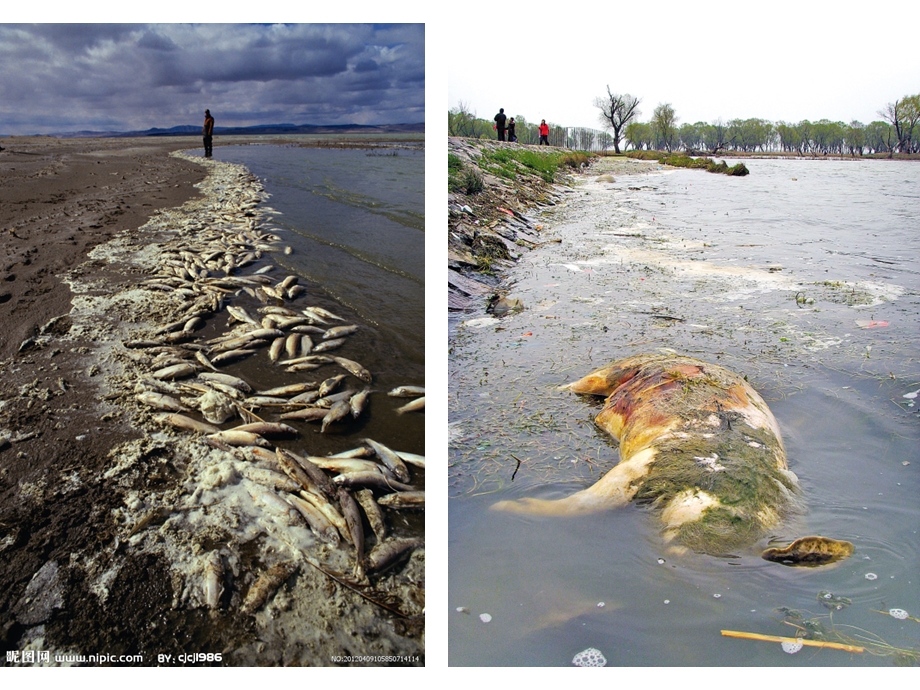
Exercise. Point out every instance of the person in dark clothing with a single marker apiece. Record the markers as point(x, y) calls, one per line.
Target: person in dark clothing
point(208, 132)
point(511, 136)
point(500, 123)
point(544, 133)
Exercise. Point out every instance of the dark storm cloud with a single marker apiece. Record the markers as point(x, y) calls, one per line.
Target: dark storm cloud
point(68, 77)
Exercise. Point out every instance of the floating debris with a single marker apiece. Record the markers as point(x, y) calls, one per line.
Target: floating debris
point(589, 657)
point(900, 614)
point(832, 601)
point(792, 647)
point(485, 617)
point(871, 576)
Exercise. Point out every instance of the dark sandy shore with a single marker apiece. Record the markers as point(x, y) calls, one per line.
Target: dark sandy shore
point(58, 200)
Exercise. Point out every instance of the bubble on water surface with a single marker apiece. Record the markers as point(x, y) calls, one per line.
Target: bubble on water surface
point(871, 576)
point(792, 647)
point(590, 657)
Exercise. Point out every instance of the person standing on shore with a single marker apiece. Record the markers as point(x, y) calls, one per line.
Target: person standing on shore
point(511, 135)
point(544, 133)
point(500, 123)
point(207, 131)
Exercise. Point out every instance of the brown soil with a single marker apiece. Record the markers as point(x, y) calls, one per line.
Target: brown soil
point(58, 200)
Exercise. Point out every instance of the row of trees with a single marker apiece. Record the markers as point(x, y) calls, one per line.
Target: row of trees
point(897, 131)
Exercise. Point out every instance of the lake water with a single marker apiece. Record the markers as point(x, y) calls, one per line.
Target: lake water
point(805, 277)
point(354, 219)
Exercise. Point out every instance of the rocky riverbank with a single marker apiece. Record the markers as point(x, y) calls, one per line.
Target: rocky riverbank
point(494, 212)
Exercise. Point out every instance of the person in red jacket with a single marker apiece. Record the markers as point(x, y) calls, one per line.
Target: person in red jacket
point(544, 133)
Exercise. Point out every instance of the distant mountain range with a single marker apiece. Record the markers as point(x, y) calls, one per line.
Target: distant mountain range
point(192, 130)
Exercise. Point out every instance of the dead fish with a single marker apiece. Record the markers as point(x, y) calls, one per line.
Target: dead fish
point(339, 332)
point(270, 478)
point(358, 402)
point(372, 512)
point(213, 580)
point(352, 516)
point(319, 523)
point(176, 371)
point(404, 499)
point(270, 429)
point(226, 379)
point(389, 553)
point(327, 345)
point(231, 356)
point(354, 369)
point(267, 584)
point(315, 359)
point(240, 438)
point(287, 282)
point(359, 452)
point(277, 346)
point(341, 465)
point(293, 469)
point(305, 398)
point(377, 480)
point(291, 389)
point(337, 412)
point(180, 421)
point(317, 477)
point(334, 398)
point(414, 406)
point(330, 384)
point(308, 330)
point(292, 345)
point(241, 314)
point(407, 391)
point(329, 511)
point(323, 312)
point(393, 462)
point(281, 311)
point(302, 366)
point(307, 414)
point(411, 458)
point(204, 361)
point(193, 324)
point(141, 344)
point(161, 401)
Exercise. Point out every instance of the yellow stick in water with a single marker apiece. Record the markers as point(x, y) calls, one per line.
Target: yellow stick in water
point(776, 638)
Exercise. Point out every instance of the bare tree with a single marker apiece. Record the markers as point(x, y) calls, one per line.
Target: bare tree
point(616, 112)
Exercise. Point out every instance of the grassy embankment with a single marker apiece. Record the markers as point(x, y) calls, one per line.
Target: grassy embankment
point(509, 163)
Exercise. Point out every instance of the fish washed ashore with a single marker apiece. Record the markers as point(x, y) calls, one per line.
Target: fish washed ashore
point(153, 532)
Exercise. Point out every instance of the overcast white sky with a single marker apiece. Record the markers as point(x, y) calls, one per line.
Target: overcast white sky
point(778, 60)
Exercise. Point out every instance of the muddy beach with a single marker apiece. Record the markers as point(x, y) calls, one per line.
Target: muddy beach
point(123, 533)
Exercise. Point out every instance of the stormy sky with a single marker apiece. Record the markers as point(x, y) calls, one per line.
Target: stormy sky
point(122, 77)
